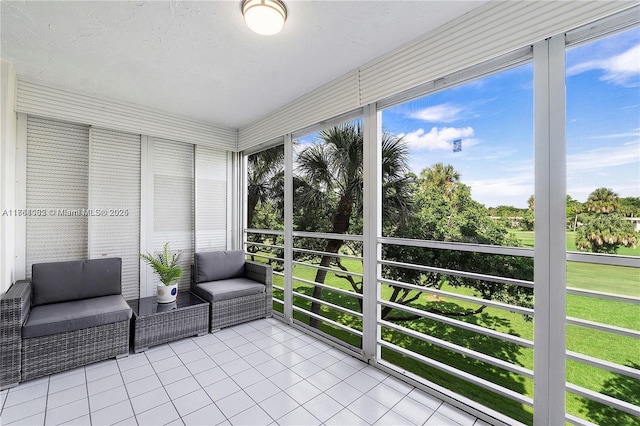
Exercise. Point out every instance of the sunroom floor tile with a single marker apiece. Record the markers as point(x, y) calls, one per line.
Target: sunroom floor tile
point(263, 372)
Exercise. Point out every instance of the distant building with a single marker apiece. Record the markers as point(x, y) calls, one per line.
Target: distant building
point(635, 221)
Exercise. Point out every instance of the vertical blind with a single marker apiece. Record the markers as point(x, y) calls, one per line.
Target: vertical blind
point(86, 183)
point(173, 199)
point(211, 199)
point(114, 200)
point(57, 177)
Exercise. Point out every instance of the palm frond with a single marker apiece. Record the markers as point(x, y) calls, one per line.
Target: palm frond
point(166, 265)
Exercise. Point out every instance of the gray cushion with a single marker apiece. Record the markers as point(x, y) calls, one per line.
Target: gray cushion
point(57, 318)
point(80, 279)
point(219, 265)
point(233, 288)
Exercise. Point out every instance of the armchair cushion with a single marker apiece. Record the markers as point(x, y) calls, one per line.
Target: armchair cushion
point(74, 280)
point(75, 315)
point(227, 289)
point(219, 265)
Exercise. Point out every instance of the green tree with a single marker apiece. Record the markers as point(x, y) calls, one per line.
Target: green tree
point(573, 210)
point(528, 217)
point(602, 200)
point(630, 206)
point(265, 198)
point(511, 217)
point(531, 202)
point(265, 180)
point(604, 230)
point(445, 178)
point(328, 190)
point(443, 210)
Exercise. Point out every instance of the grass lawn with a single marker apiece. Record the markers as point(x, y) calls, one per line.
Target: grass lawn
point(590, 276)
point(613, 348)
point(527, 240)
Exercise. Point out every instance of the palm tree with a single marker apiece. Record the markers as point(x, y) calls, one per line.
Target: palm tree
point(331, 171)
point(573, 209)
point(443, 177)
point(265, 185)
point(605, 230)
point(602, 200)
point(265, 179)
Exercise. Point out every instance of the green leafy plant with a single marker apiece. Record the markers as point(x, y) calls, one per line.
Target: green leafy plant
point(166, 265)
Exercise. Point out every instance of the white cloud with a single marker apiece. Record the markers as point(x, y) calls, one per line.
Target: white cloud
point(506, 190)
point(612, 167)
point(603, 158)
point(633, 134)
point(585, 172)
point(439, 139)
point(444, 113)
point(621, 69)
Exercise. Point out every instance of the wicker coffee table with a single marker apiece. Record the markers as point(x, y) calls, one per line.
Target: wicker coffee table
point(154, 323)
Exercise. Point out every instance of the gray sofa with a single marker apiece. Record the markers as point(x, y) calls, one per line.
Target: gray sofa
point(68, 315)
point(238, 290)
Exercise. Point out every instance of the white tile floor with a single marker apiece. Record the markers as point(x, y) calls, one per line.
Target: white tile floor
point(260, 373)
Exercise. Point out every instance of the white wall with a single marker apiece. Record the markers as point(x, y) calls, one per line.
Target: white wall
point(7, 173)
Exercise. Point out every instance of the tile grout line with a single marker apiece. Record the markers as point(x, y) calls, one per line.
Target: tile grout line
point(202, 388)
point(46, 401)
point(241, 388)
point(196, 380)
point(256, 403)
point(402, 399)
point(86, 384)
point(322, 392)
point(124, 384)
point(164, 387)
point(69, 403)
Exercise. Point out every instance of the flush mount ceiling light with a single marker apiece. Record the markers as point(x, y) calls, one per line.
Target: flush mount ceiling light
point(264, 17)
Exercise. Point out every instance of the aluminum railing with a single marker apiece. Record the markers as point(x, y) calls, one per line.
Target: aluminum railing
point(301, 298)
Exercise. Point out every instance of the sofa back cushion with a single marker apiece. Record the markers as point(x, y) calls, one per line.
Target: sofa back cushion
point(218, 265)
point(74, 280)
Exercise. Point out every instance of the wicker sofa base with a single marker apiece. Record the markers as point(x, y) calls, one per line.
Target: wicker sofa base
point(12, 312)
point(46, 355)
point(235, 311)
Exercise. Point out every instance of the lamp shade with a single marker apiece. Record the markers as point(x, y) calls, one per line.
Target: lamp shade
point(264, 17)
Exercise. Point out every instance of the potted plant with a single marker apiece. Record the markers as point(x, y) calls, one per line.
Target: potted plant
point(167, 268)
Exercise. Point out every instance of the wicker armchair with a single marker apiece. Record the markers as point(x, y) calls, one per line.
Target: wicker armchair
point(238, 290)
point(70, 314)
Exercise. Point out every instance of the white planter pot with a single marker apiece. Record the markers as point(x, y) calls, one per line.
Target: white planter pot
point(167, 293)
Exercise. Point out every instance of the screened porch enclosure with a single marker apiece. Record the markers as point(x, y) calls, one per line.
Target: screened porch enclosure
point(425, 213)
point(475, 310)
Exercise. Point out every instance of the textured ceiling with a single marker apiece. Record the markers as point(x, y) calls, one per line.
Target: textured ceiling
point(198, 59)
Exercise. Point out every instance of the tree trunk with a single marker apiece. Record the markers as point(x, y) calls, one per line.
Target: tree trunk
point(252, 202)
point(340, 226)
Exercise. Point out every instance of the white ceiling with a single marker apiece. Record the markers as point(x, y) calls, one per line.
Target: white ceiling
point(197, 58)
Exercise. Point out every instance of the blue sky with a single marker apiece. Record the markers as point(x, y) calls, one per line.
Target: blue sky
point(494, 118)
